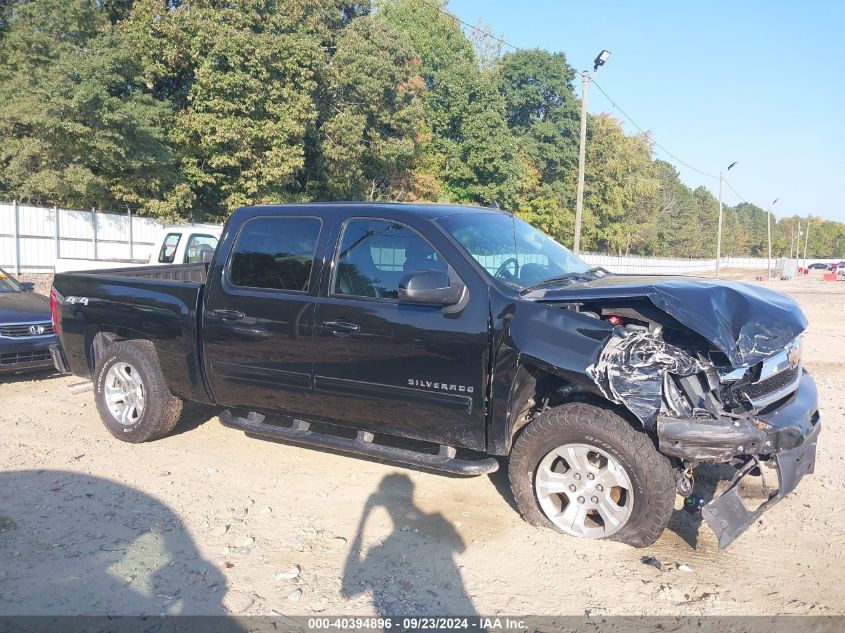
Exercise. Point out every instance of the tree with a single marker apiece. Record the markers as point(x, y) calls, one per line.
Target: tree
point(542, 112)
point(76, 127)
point(619, 188)
point(242, 78)
point(372, 138)
point(472, 152)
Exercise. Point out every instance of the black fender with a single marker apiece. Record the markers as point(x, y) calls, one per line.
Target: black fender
point(530, 340)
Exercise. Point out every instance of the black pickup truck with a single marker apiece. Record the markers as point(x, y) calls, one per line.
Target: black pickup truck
point(450, 337)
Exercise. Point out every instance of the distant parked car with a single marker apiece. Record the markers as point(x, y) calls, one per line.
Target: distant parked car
point(26, 330)
point(187, 244)
point(818, 266)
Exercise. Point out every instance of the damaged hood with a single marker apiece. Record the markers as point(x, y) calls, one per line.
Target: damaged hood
point(745, 322)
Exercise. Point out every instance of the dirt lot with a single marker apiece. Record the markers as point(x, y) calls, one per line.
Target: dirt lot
point(210, 521)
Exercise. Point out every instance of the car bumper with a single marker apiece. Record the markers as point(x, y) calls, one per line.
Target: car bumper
point(786, 435)
point(25, 355)
point(728, 516)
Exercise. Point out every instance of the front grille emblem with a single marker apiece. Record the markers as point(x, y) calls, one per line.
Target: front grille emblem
point(36, 330)
point(794, 355)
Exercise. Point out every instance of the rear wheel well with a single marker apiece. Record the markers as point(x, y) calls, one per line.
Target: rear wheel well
point(100, 341)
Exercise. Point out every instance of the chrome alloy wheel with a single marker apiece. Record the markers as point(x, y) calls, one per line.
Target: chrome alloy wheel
point(124, 393)
point(584, 491)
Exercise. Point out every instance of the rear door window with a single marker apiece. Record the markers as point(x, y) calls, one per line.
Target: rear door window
point(275, 253)
point(168, 248)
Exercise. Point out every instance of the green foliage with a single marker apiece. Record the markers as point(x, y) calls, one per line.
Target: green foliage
point(243, 78)
point(371, 139)
point(190, 109)
point(76, 128)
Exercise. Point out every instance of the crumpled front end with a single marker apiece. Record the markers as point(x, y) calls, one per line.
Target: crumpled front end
point(762, 416)
point(712, 369)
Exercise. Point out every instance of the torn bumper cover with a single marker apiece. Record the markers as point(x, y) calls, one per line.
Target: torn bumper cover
point(786, 435)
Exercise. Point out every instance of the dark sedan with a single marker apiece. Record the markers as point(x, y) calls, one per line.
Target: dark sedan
point(26, 331)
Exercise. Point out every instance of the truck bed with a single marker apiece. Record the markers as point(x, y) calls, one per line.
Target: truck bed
point(159, 303)
point(196, 273)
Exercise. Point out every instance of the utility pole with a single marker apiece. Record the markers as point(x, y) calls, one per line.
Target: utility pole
point(769, 232)
point(806, 238)
point(719, 231)
point(582, 159)
point(791, 241)
point(582, 149)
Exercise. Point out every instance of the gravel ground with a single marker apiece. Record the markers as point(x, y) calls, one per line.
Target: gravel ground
point(210, 521)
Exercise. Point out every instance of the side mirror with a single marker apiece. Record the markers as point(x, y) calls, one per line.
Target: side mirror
point(27, 286)
point(430, 287)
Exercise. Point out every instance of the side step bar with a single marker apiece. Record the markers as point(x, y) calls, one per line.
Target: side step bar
point(363, 444)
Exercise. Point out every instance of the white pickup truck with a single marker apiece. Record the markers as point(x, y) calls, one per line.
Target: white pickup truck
point(186, 244)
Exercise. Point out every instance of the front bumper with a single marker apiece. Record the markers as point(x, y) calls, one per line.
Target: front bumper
point(787, 435)
point(729, 517)
point(17, 355)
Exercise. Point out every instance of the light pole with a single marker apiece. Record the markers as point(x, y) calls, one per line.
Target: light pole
point(719, 231)
point(769, 233)
point(582, 148)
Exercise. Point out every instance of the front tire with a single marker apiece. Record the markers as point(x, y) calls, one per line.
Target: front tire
point(131, 393)
point(583, 470)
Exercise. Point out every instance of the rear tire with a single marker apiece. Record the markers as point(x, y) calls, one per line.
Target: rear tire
point(131, 393)
point(634, 504)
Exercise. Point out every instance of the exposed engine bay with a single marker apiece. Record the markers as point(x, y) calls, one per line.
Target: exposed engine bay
point(662, 371)
point(701, 408)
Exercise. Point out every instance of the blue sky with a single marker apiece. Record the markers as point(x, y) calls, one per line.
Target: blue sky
point(762, 83)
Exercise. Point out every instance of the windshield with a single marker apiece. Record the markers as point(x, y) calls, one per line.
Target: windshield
point(7, 284)
point(511, 250)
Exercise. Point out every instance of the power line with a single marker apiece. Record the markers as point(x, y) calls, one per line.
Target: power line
point(475, 28)
point(607, 96)
point(634, 123)
point(735, 191)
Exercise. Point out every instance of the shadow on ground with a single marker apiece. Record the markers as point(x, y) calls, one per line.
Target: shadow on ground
point(707, 478)
point(413, 570)
point(195, 414)
point(28, 376)
point(74, 544)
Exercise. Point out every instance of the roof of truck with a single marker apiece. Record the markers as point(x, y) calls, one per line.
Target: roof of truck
point(431, 211)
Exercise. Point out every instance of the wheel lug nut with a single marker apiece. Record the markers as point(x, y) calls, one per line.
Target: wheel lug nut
point(572, 488)
point(577, 476)
point(599, 488)
point(590, 476)
point(595, 499)
point(580, 499)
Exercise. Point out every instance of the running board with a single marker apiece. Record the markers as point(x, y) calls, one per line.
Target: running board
point(363, 444)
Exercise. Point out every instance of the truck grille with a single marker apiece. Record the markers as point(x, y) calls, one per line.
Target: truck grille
point(773, 384)
point(25, 330)
point(24, 358)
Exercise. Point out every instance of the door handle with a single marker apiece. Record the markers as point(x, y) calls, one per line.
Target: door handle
point(341, 328)
point(228, 315)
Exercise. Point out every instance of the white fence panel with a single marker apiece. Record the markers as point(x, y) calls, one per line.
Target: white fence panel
point(635, 265)
point(30, 240)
